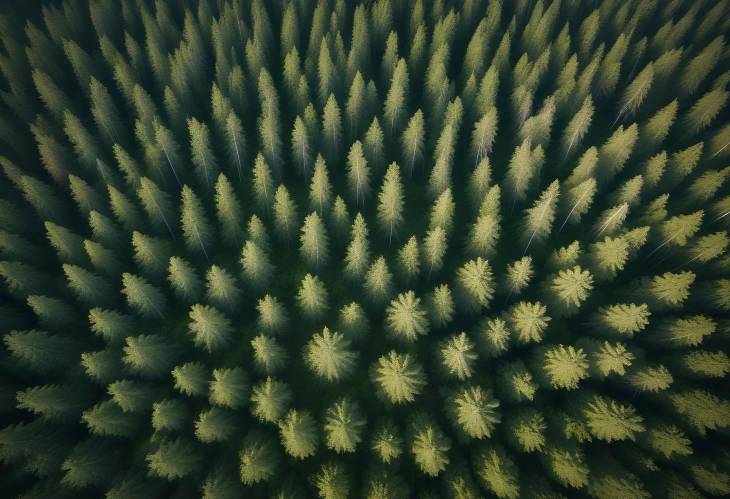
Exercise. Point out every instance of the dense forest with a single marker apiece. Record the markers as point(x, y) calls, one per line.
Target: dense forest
point(387, 249)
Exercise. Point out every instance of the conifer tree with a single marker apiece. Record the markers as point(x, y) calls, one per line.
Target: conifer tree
point(210, 328)
point(398, 377)
point(312, 297)
point(329, 356)
point(298, 434)
point(258, 458)
point(390, 201)
point(270, 400)
point(196, 228)
point(229, 388)
point(257, 266)
point(314, 241)
point(221, 288)
point(343, 426)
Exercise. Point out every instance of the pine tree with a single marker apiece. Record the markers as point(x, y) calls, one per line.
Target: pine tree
point(457, 356)
point(185, 282)
point(149, 355)
point(258, 456)
point(191, 379)
point(263, 182)
point(412, 142)
point(390, 202)
point(210, 328)
point(285, 213)
point(320, 190)
point(269, 356)
point(378, 283)
point(329, 356)
point(298, 434)
point(108, 419)
point(474, 285)
point(528, 321)
point(314, 241)
point(229, 388)
point(386, 442)
point(358, 174)
point(203, 158)
point(312, 297)
point(222, 289)
point(374, 145)
point(236, 142)
point(405, 318)
point(272, 316)
point(301, 146)
point(609, 420)
point(257, 266)
point(173, 459)
point(332, 480)
point(430, 446)
point(332, 128)
point(352, 321)
point(434, 247)
point(395, 105)
point(705, 110)
point(88, 287)
point(151, 253)
point(157, 205)
point(565, 367)
point(398, 377)
point(498, 473)
point(343, 426)
point(195, 225)
point(169, 415)
point(270, 400)
point(38, 350)
point(474, 411)
point(269, 122)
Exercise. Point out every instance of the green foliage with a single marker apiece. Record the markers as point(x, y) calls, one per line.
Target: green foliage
point(216, 216)
point(210, 328)
point(298, 434)
point(398, 377)
point(329, 356)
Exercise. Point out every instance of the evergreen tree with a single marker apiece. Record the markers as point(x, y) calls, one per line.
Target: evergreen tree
point(358, 174)
point(390, 201)
point(196, 228)
point(329, 356)
point(88, 287)
point(173, 459)
point(398, 377)
point(430, 446)
point(405, 318)
point(312, 297)
point(228, 211)
point(378, 281)
point(269, 355)
point(149, 355)
point(314, 241)
point(270, 400)
point(221, 288)
point(320, 189)
point(395, 105)
point(301, 146)
point(210, 328)
point(258, 458)
point(298, 434)
point(273, 317)
point(457, 356)
point(285, 213)
point(257, 266)
point(343, 426)
point(474, 411)
point(184, 280)
point(229, 388)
